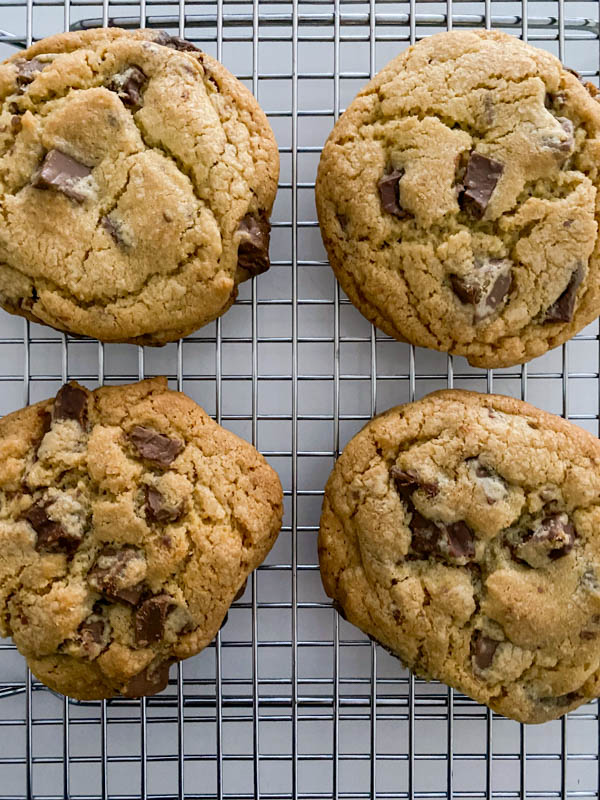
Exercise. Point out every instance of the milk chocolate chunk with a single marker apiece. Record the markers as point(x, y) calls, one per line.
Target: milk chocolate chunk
point(71, 402)
point(253, 249)
point(483, 649)
point(61, 173)
point(176, 43)
point(389, 192)
point(486, 287)
point(51, 536)
point(148, 682)
point(27, 70)
point(155, 447)
point(563, 307)
point(480, 180)
point(158, 509)
point(129, 85)
point(150, 619)
point(111, 575)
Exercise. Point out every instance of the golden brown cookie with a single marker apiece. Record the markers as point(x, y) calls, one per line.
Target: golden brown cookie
point(457, 198)
point(462, 532)
point(129, 521)
point(137, 176)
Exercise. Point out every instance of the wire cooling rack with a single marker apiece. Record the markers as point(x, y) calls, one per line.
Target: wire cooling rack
point(290, 701)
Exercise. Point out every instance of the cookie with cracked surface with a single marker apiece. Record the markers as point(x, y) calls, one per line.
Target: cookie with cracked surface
point(457, 199)
point(461, 533)
point(129, 520)
point(137, 176)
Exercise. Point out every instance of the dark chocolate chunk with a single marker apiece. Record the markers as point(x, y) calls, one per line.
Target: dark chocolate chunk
point(155, 447)
point(51, 536)
point(108, 576)
point(480, 180)
point(27, 70)
point(93, 635)
point(563, 307)
point(150, 619)
point(461, 542)
point(408, 482)
point(493, 485)
point(253, 248)
point(425, 535)
point(112, 227)
point(552, 538)
point(483, 650)
point(129, 85)
point(486, 287)
point(389, 192)
point(176, 42)
point(157, 510)
point(16, 125)
point(62, 173)
point(71, 402)
point(151, 681)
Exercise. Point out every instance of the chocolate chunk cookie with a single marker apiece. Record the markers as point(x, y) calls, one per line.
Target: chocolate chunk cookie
point(461, 532)
point(129, 521)
point(457, 199)
point(137, 176)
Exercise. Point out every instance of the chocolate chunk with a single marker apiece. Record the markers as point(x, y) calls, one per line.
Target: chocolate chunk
point(111, 575)
point(150, 619)
point(112, 228)
point(158, 510)
point(483, 650)
point(129, 86)
point(480, 180)
point(389, 192)
point(176, 42)
point(16, 125)
point(71, 402)
point(493, 485)
point(62, 173)
point(51, 536)
point(562, 309)
point(426, 535)
point(562, 148)
point(151, 681)
point(486, 287)
point(461, 542)
point(155, 447)
point(253, 248)
point(587, 636)
point(407, 482)
point(27, 70)
point(551, 539)
point(93, 636)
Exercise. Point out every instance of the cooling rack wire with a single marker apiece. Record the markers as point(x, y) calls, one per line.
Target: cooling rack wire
point(290, 701)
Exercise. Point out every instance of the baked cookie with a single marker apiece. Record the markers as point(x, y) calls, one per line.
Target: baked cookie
point(457, 199)
point(462, 533)
point(129, 520)
point(137, 176)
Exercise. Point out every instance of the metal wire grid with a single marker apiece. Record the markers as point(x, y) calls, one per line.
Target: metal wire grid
point(291, 701)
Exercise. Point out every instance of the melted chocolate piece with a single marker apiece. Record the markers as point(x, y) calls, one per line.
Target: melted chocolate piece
point(408, 482)
point(151, 681)
point(61, 173)
point(562, 309)
point(71, 402)
point(112, 227)
point(93, 636)
point(51, 536)
point(551, 539)
point(27, 70)
point(155, 447)
point(486, 287)
point(176, 43)
point(461, 542)
point(150, 619)
point(480, 180)
point(16, 125)
point(483, 650)
point(108, 576)
point(426, 535)
point(452, 541)
point(253, 248)
point(389, 192)
point(129, 85)
point(157, 510)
